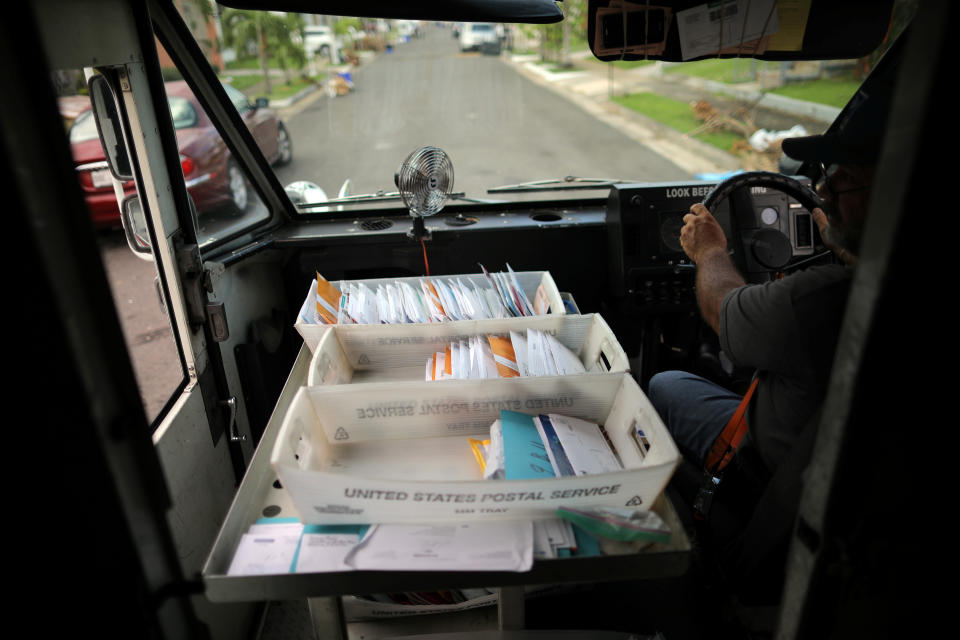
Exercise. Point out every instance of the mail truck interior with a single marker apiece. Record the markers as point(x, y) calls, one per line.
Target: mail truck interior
point(132, 516)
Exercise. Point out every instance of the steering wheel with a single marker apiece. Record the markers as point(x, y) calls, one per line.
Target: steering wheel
point(769, 247)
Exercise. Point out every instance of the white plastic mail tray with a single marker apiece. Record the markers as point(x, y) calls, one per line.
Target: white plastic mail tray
point(530, 282)
point(385, 352)
point(399, 452)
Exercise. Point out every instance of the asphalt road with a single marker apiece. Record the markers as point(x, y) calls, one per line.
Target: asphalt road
point(497, 126)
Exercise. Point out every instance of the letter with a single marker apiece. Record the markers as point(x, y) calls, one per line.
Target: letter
point(418, 497)
point(360, 414)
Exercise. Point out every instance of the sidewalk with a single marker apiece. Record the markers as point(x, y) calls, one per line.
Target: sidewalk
point(593, 84)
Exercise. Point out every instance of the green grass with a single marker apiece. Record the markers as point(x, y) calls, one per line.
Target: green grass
point(254, 87)
point(835, 92)
point(729, 70)
point(675, 114)
point(251, 63)
point(245, 82)
point(282, 90)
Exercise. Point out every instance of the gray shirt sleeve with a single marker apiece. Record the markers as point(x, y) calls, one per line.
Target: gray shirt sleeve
point(757, 327)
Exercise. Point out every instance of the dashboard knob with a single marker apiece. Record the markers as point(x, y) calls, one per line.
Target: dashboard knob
point(771, 248)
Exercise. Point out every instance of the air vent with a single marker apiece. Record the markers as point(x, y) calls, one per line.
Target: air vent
point(460, 220)
point(546, 216)
point(376, 225)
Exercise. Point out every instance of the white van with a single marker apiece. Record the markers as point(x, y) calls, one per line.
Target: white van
point(474, 35)
point(319, 39)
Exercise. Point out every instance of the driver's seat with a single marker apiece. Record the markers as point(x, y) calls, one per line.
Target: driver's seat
point(744, 541)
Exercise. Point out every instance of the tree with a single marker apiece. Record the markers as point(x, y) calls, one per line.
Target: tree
point(555, 38)
point(272, 35)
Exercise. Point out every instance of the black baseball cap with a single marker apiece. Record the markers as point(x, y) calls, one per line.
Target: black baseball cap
point(855, 139)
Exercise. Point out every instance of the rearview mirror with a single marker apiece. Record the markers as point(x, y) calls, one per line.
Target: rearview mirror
point(109, 126)
point(262, 103)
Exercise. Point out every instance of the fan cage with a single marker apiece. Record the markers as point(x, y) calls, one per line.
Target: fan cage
point(425, 180)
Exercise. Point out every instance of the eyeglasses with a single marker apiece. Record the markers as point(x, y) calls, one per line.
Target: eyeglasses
point(824, 182)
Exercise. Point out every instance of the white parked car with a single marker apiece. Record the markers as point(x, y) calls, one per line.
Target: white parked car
point(319, 39)
point(473, 35)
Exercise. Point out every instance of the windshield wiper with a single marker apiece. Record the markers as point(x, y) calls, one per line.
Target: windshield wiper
point(559, 184)
point(382, 196)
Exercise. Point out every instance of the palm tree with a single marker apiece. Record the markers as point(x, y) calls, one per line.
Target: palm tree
point(241, 27)
point(272, 34)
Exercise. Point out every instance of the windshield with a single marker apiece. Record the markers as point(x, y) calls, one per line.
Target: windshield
point(512, 105)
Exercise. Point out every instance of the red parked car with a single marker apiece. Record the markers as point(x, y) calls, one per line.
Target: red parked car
point(213, 178)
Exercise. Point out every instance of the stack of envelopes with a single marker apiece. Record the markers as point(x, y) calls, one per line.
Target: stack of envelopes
point(498, 295)
point(535, 353)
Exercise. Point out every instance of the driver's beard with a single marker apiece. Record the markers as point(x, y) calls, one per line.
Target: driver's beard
point(839, 233)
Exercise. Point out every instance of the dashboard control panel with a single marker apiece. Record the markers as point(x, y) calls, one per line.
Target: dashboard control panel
point(766, 231)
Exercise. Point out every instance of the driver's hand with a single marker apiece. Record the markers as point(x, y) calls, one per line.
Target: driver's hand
point(701, 233)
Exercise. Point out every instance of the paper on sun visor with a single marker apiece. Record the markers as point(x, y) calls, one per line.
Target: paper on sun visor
point(735, 26)
point(328, 301)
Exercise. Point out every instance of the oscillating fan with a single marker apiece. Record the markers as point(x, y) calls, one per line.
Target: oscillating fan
point(424, 180)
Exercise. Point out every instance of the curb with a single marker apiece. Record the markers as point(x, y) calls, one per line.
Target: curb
point(792, 106)
point(300, 95)
point(689, 154)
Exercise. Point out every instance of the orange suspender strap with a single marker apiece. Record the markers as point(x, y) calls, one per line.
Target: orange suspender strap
point(721, 453)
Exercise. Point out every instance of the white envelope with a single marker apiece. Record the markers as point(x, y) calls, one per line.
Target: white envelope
point(450, 302)
point(371, 312)
point(566, 362)
point(412, 304)
point(586, 448)
point(395, 305)
point(520, 351)
point(497, 310)
point(528, 308)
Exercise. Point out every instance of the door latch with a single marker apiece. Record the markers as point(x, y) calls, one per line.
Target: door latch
point(230, 404)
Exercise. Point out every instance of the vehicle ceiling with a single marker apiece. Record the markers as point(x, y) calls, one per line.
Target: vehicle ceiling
point(834, 29)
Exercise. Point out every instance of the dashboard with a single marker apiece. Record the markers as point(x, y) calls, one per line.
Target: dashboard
point(767, 232)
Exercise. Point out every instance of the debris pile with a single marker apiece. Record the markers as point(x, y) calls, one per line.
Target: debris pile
point(758, 149)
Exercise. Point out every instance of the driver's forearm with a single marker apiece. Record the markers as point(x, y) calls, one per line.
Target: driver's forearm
point(716, 277)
